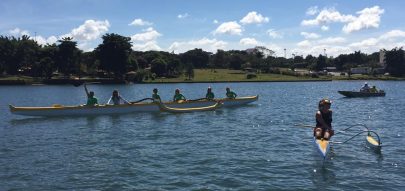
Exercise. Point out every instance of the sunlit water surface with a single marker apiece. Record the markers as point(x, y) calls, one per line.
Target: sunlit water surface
point(255, 147)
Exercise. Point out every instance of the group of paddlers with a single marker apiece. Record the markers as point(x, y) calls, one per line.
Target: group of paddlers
point(117, 99)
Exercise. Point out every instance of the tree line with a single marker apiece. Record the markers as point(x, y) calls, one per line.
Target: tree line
point(114, 57)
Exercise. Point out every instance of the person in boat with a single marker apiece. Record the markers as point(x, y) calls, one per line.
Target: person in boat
point(323, 118)
point(91, 100)
point(373, 89)
point(210, 95)
point(230, 94)
point(365, 88)
point(155, 95)
point(116, 99)
point(178, 96)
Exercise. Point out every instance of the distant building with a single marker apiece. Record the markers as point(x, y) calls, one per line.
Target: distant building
point(360, 70)
point(330, 69)
point(382, 58)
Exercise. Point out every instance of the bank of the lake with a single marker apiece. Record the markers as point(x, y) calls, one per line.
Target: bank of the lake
point(200, 76)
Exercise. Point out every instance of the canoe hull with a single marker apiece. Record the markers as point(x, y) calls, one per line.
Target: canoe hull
point(361, 94)
point(322, 146)
point(121, 109)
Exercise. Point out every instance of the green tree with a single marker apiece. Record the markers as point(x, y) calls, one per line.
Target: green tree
point(113, 54)
point(236, 61)
point(320, 63)
point(68, 56)
point(198, 57)
point(159, 67)
point(395, 61)
point(189, 71)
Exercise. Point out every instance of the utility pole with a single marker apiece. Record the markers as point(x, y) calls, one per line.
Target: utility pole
point(285, 53)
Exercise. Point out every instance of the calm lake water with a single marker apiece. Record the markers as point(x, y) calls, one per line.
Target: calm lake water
point(255, 147)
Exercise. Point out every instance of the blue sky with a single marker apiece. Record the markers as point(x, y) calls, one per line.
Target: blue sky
point(300, 27)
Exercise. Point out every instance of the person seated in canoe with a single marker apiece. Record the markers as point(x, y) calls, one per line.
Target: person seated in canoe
point(365, 88)
point(155, 95)
point(178, 97)
point(323, 118)
point(116, 99)
point(210, 95)
point(373, 89)
point(230, 94)
point(91, 100)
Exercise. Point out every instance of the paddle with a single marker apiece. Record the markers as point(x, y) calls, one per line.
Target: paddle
point(132, 102)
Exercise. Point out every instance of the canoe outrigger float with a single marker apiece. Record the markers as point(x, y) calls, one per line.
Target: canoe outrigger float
point(81, 110)
point(163, 107)
point(362, 94)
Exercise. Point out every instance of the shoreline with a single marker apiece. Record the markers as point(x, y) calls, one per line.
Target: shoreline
point(112, 81)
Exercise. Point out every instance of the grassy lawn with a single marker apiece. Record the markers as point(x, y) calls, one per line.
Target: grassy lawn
point(208, 75)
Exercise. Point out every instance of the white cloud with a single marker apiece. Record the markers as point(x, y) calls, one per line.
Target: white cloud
point(324, 28)
point(18, 32)
point(332, 40)
point(312, 10)
point(183, 16)
point(393, 34)
point(149, 34)
point(328, 16)
point(368, 18)
point(232, 28)
point(304, 43)
point(254, 17)
point(140, 22)
point(90, 30)
point(211, 45)
point(388, 40)
point(215, 21)
point(43, 41)
point(274, 34)
point(248, 41)
point(310, 35)
point(150, 45)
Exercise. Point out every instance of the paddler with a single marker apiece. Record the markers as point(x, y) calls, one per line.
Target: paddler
point(209, 95)
point(91, 100)
point(155, 95)
point(116, 99)
point(230, 94)
point(178, 96)
point(323, 118)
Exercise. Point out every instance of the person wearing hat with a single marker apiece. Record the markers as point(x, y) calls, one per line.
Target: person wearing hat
point(209, 95)
point(323, 119)
point(365, 88)
point(178, 96)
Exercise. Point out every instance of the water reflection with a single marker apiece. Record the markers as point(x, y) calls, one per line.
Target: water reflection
point(323, 175)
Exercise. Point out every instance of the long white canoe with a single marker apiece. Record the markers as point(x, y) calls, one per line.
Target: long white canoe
point(322, 146)
point(81, 110)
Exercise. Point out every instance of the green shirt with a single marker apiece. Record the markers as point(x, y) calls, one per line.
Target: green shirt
point(231, 94)
point(156, 96)
point(178, 97)
point(210, 95)
point(92, 101)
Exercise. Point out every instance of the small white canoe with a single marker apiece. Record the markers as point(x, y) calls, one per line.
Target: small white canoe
point(82, 110)
point(322, 146)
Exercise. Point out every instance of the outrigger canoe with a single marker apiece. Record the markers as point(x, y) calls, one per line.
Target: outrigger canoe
point(362, 94)
point(322, 146)
point(82, 110)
